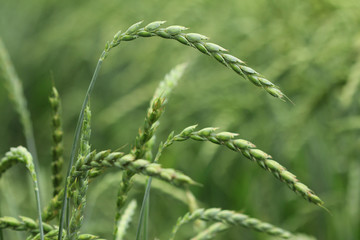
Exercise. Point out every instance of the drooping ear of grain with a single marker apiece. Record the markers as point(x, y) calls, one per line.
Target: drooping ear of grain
point(250, 151)
point(230, 218)
point(22, 155)
point(200, 43)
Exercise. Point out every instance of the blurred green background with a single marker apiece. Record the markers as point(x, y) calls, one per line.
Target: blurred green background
point(311, 49)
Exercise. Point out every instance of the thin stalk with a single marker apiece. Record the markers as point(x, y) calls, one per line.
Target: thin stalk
point(146, 223)
point(144, 212)
point(1, 233)
point(75, 143)
point(146, 200)
point(37, 194)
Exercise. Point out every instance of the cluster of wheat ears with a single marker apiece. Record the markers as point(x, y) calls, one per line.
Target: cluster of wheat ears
point(69, 196)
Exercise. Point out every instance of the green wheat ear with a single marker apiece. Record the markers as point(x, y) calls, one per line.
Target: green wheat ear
point(30, 225)
point(145, 138)
point(211, 231)
point(57, 144)
point(250, 151)
point(125, 220)
point(79, 185)
point(231, 218)
point(22, 155)
point(199, 42)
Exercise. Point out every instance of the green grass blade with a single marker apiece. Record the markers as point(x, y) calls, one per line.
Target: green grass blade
point(76, 140)
point(144, 213)
point(1, 233)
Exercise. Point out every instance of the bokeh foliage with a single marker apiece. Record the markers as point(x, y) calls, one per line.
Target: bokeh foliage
point(311, 49)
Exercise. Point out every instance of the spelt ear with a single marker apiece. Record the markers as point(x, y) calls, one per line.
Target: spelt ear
point(211, 231)
point(21, 155)
point(57, 137)
point(79, 185)
point(125, 220)
point(199, 42)
point(250, 151)
point(230, 218)
point(32, 226)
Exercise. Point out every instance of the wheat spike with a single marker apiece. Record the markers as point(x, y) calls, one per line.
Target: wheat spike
point(250, 151)
point(199, 42)
point(57, 147)
point(230, 218)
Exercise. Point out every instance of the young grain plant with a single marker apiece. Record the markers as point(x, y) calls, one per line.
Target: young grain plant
point(64, 214)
